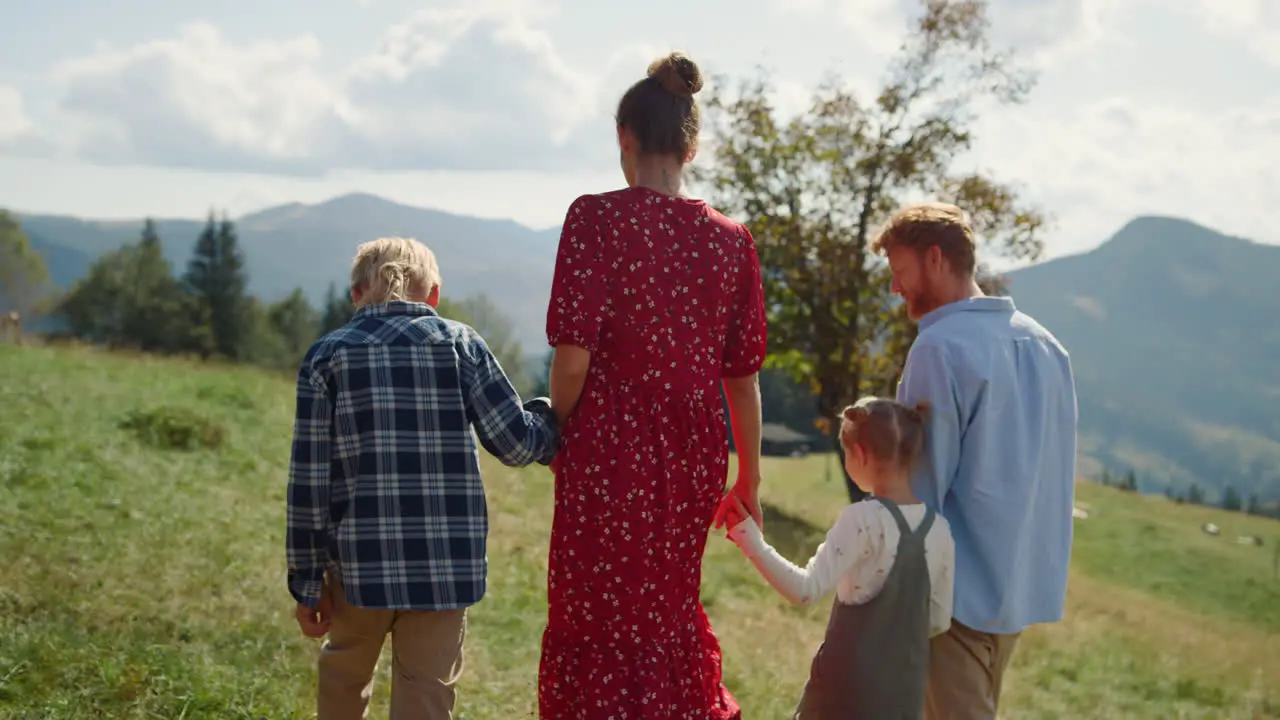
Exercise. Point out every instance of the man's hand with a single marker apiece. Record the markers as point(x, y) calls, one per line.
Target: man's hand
point(743, 495)
point(315, 622)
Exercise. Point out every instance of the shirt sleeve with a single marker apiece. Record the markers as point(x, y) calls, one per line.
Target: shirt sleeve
point(942, 580)
point(747, 339)
point(579, 287)
point(515, 434)
point(838, 555)
point(308, 494)
point(927, 378)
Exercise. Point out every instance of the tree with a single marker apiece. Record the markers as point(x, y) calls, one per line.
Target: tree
point(1254, 507)
point(296, 322)
point(498, 332)
point(153, 302)
point(542, 383)
point(95, 308)
point(216, 276)
point(1231, 500)
point(24, 279)
point(1130, 482)
point(813, 188)
point(337, 311)
point(129, 298)
point(1195, 496)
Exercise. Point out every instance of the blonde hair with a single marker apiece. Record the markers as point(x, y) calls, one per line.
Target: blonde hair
point(888, 431)
point(393, 268)
point(927, 224)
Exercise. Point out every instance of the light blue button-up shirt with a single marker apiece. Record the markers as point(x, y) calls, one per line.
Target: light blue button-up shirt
point(1000, 457)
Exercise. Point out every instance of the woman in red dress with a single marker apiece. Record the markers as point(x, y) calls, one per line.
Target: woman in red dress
point(656, 304)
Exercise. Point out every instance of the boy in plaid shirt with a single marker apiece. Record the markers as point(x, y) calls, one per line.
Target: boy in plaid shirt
point(387, 519)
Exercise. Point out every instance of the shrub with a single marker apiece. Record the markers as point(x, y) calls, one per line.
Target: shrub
point(174, 428)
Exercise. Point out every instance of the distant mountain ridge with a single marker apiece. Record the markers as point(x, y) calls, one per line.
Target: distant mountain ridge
point(1171, 325)
point(1172, 332)
point(309, 246)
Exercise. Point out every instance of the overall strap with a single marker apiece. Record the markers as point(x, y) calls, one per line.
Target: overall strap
point(903, 528)
point(923, 529)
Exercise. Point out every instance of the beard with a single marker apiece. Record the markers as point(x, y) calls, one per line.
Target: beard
point(921, 303)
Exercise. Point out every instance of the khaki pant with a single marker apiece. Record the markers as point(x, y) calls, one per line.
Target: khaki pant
point(966, 670)
point(427, 660)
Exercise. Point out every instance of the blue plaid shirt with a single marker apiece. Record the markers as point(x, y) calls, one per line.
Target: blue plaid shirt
point(384, 479)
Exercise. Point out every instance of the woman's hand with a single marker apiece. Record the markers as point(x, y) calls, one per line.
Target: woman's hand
point(743, 497)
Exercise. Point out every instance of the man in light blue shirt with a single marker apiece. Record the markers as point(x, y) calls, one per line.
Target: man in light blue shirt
point(1000, 453)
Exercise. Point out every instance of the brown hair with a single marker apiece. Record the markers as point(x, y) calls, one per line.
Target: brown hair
point(886, 430)
point(660, 110)
point(927, 224)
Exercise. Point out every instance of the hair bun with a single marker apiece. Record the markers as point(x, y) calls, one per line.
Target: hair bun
point(677, 74)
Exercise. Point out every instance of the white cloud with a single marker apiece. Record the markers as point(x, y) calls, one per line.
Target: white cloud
point(196, 100)
point(457, 88)
point(478, 86)
point(1256, 22)
point(13, 116)
point(1102, 163)
point(1042, 28)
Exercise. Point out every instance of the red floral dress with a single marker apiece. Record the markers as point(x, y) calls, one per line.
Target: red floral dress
point(665, 293)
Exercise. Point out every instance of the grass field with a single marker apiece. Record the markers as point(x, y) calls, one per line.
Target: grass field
point(141, 581)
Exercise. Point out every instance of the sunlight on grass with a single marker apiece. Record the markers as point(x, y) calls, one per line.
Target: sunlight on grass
point(145, 582)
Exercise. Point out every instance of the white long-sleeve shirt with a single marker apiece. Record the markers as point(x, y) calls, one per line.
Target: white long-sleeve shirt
point(858, 553)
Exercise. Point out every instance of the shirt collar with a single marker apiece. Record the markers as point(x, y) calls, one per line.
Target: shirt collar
point(976, 304)
point(395, 307)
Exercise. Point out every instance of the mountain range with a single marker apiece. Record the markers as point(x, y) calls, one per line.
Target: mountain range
point(1169, 324)
point(310, 246)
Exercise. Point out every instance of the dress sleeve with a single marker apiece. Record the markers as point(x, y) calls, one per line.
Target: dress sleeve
point(579, 290)
point(747, 339)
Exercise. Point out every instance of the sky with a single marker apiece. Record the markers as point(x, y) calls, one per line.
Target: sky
point(502, 108)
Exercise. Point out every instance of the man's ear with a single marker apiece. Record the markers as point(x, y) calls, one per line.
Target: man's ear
point(934, 259)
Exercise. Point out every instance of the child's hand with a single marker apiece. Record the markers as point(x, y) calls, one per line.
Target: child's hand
point(735, 514)
point(315, 622)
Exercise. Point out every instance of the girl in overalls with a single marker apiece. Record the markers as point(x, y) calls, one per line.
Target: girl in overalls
point(890, 561)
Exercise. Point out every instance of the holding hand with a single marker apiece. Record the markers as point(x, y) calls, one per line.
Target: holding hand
point(742, 501)
point(736, 514)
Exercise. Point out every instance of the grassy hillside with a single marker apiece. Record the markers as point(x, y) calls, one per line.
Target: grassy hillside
point(144, 581)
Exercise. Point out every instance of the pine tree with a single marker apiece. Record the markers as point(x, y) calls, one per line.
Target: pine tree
point(1195, 496)
point(1254, 507)
point(152, 313)
point(1231, 499)
point(1130, 482)
point(337, 310)
point(216, 278)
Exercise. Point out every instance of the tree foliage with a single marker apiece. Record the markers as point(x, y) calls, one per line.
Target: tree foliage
point(1231, 500)
point(813, 188)
point(24, 279)
point(337, 311)
point(216, 277)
